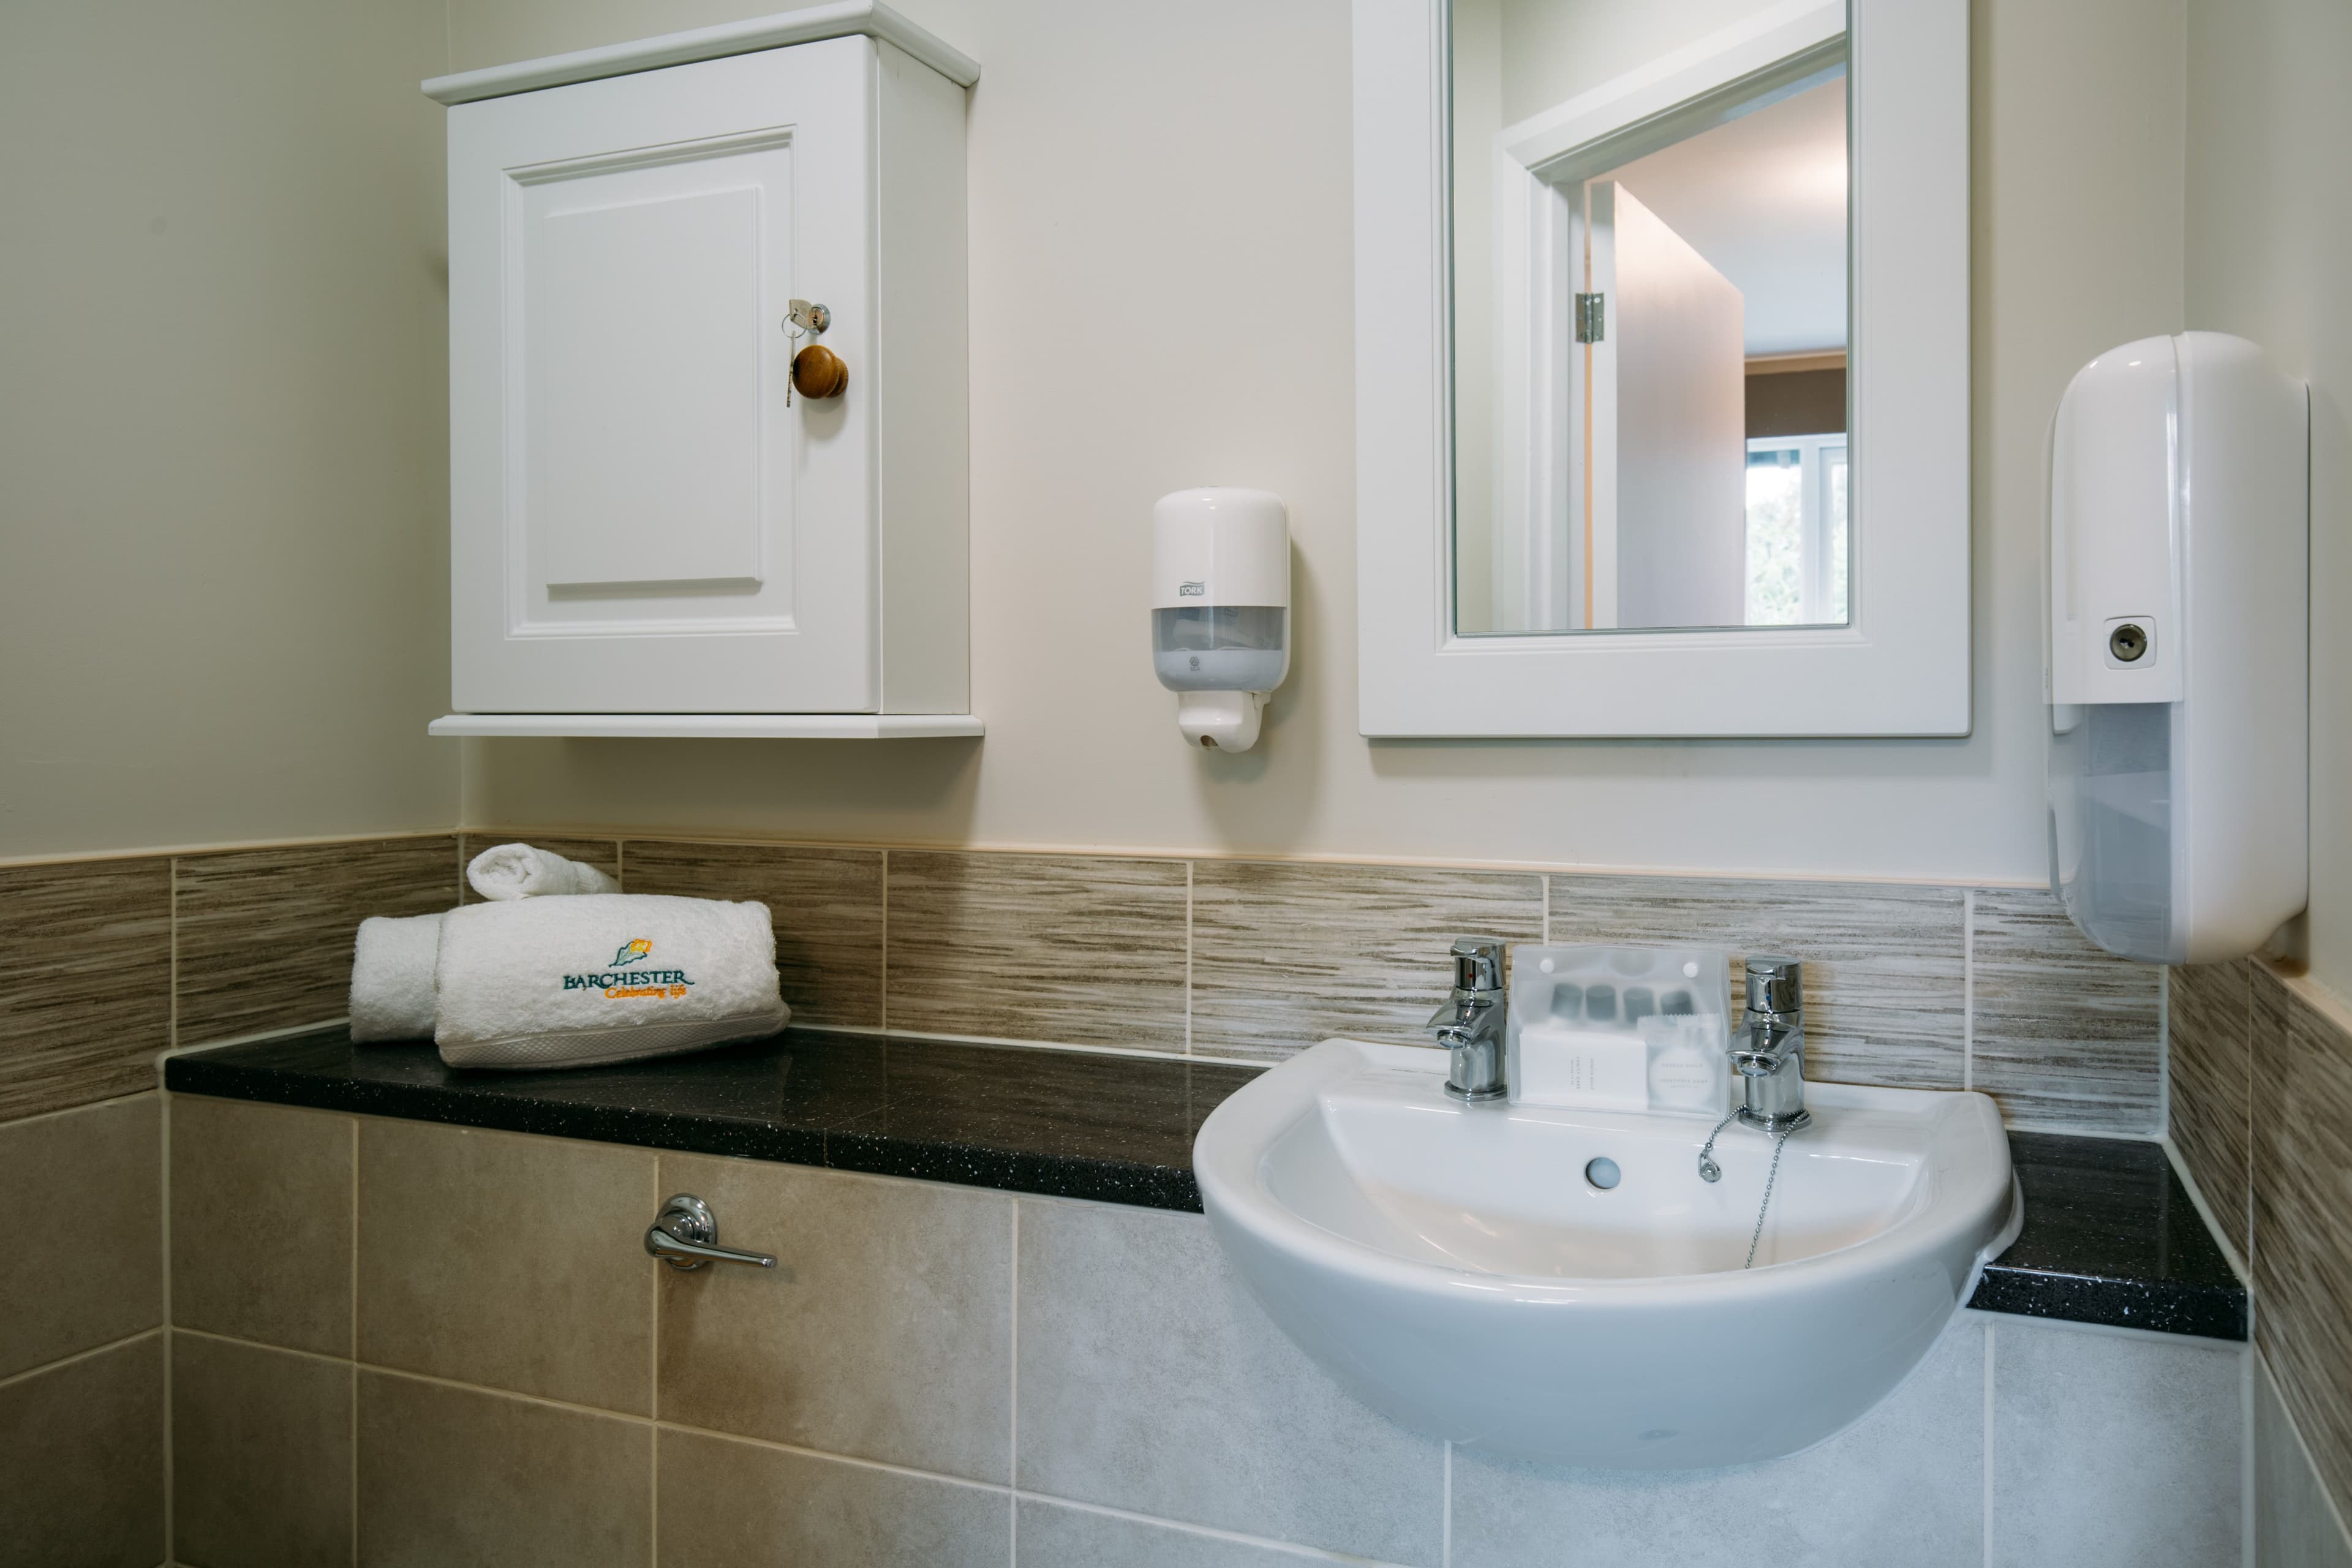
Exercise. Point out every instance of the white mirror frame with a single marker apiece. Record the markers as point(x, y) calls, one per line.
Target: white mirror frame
point(1901, 667)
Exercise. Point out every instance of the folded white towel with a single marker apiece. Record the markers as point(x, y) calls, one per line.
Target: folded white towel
point(392, 978)
point(520, 871)
point(540, 983)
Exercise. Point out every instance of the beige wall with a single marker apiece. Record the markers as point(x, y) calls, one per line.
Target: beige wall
point(2269, 236)
point(223, 436)
point(222, 447)
point(1161, 249)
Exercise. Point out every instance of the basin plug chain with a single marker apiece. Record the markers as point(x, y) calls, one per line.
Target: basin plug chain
point(1708, 1170)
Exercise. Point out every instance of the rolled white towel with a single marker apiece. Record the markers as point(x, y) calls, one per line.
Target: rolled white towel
point(392, 978)
point(544, 982)
point(520, 871)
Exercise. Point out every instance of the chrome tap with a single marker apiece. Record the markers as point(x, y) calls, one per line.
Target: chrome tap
point(1769, 1048)
point(1471, 1024)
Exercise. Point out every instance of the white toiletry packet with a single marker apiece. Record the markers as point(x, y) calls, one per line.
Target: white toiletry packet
point(545, 982)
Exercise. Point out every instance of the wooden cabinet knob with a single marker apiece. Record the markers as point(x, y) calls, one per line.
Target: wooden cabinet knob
point(817, 372)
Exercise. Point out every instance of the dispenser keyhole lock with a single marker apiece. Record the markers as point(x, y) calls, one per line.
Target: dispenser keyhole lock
point(2128, 642)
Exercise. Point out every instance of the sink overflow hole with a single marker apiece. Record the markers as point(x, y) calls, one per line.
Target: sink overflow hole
point(1603, 1172)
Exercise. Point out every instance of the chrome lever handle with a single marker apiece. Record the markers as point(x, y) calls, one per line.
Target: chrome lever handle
point(686, 1236)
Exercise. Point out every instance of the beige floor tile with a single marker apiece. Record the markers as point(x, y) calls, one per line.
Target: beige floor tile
point(2066, 1036)
point(1884, 970)
point(1150, 1382)
point(2115, 1450)
point(737, 1505)
point(1073, 949)
point(884, 1332)
point(82, 1462)
point(2210, 1051)
point(66, 1288)
point(1902, 1488)
point(451, 1475)
point(261, 1445)
point(1286, 954)
point(261, 1223)
point(508, 1261)
point(86, 995)
point(265, 935)
point(826, 905)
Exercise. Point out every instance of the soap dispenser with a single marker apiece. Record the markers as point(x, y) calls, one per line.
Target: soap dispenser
point(1219, 609)
point(2177, 659)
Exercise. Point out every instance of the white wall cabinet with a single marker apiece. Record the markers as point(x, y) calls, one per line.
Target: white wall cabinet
point(645, 521)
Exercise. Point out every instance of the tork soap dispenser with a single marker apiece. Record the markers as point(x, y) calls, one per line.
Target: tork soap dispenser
point(1219, 609)
point(2178, 664)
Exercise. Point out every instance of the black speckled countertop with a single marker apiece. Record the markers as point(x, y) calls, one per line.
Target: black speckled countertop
point(2110, 1235)
point(1064, 1123)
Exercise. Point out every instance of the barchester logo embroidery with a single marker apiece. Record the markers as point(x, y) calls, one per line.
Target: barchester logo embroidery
point(619, 981)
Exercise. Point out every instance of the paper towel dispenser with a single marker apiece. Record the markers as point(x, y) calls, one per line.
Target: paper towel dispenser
point(2177, 648)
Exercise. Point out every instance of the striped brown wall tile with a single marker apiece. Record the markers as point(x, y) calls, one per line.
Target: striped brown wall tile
point(604, 854)
point(265, 935)
point(86, 989)
point(2302, 1244)
point(1288, 953)
point(2065, 1036)
point(2211, 1051)
point(826, 905)
point(1080, 950)
point(1885, 966)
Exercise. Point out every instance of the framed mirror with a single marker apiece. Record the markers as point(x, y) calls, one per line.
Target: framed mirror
point(1662, 367)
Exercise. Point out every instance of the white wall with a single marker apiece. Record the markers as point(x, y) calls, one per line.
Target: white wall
point(1160, 265)
point(2270, 258)
point(223, 436)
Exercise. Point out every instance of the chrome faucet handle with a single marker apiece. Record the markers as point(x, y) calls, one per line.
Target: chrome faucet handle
point(1775, 984)
point(1477, 963)
point(686, 1236)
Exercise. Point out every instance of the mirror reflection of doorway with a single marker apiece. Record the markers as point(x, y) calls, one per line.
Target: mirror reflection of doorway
point(1660, 329)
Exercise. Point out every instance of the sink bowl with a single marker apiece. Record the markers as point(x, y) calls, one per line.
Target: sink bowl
point(1461, 1268)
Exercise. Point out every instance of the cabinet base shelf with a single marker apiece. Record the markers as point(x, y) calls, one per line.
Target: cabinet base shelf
point(714, 726)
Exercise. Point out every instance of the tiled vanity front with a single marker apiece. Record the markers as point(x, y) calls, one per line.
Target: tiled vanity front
point(451, 1346)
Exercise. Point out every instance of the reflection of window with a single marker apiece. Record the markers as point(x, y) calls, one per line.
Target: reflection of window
point(1797, 557)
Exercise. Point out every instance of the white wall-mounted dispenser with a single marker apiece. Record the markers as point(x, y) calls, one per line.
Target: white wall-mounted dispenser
point(2177, 666)
point(1219, 609)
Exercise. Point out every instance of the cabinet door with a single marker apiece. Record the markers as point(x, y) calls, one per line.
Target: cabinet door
point(639, 521)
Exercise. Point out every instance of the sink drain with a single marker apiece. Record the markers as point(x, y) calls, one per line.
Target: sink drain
point(1603, 1172)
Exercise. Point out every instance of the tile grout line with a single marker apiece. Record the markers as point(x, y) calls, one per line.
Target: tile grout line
point(1188, 958)
point(1967, 988)
point(163, 1193)
point(355, 1330)
point(2164, 1054)
point(884, 967)
point(64, 1361)
point(1990, 1342)
point(1445, 1504)
point(2249, 1369)
point(2254, 981)
point(652, 1386)
point(1012, 1401)
point(171, 954)
point(1297, 1550)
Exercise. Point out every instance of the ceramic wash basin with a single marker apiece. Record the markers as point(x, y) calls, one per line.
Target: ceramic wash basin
point(1458, 1269)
